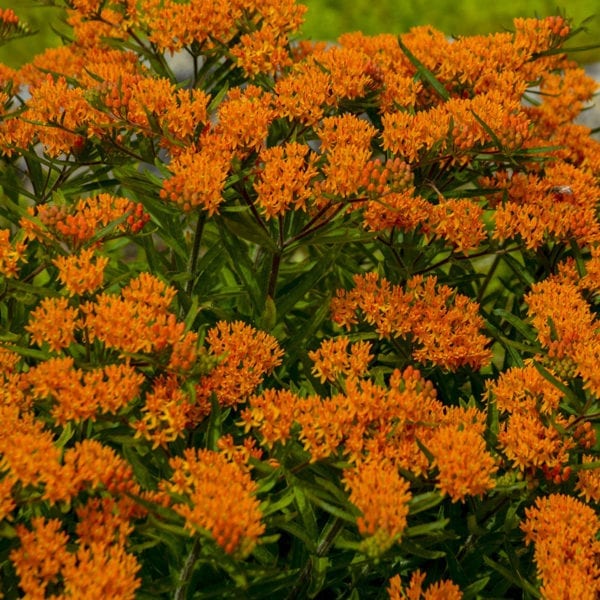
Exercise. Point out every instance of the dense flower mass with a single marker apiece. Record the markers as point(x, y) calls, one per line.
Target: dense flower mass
point(286, 318)
point(234, 519)
point(446, 328)
point(564, 531)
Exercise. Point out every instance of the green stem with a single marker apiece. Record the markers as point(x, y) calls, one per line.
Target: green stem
point(193, 262)
point(488, 278)
point(186, 572)
point(274, 273)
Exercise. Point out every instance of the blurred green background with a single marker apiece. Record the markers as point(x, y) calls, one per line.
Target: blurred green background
point(327, 19)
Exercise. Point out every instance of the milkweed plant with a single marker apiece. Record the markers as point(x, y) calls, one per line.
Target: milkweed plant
point(287, 319)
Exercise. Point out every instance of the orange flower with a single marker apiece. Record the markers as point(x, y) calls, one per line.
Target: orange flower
point(53, 322)
point(174, 25)
point(10, 254)
point(165, 414)
point(247, 356)
point(7, 504)
point(333, 358)
point(588, 480)
point(563, 531)
point(79, 274)
point(520, 388)
point(458, 222)
point(138, 321)
point(41, 557)
point(90, 465)
point(566, 327)
point(220, 497)
point(409, 136)
point(60, 114)
point(372, 420)
point(404, 210)
point(445, 325)
point(80, 395)
point(198, 177)
point(440, 590)
point(147, 290)
point(284, 179)
point(303, 94)
point(78, 223)
point(345, 130)
point(243, 120)
point(100, 571)
point(27, 451)
point(273, 413)
point(263, 51)
point(239, 454)
point(529, 442)
point(535, 36)
point(465, 467)
point(103, 522)
point(348, 70)
point(559, 206)
point(382, 497)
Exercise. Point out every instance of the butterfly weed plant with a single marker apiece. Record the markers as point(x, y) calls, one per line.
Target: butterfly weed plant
point(296, 320)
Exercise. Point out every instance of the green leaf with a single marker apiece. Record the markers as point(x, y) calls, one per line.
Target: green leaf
point(244, 225)
point(423, 72)
point(291, 293)
point(521, 326)
point(139, 466)
point(306, 511)
point(426, 528)
point(424, 502)
point(409, 547)
point(472, 590)
point(330, 508)
point(512, 577)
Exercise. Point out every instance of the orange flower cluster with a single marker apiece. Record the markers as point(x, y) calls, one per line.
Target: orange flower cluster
point(560, 205)
point(454, 449)
point(535, 435)
point(588, 478)
point(246, 356)
point(446, 326)
point(93, 571)
point(273, 412)
point(284, 179)
point(28, 455)
point(198, 177)
point(382, 497)
point(567, 327)
point(79, 223)
point(79, 395)
point(11, 253)
point(139, 321)
point(174, 25)
point(440, 590)
point(564, 532)
point(53, 322)
point(369, 422)
point(79, 273)
point(334, 359)
point(232, 519)
point(166, 412)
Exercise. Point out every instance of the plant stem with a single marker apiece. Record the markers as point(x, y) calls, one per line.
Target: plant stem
point(274, 273)
point(186, 572)
point(193, 262)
